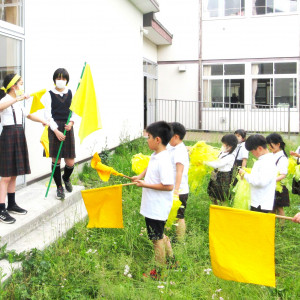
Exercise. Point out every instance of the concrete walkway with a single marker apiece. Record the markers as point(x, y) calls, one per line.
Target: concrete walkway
point(46, 220)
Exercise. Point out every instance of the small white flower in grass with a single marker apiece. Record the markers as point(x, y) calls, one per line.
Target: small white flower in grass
point(160, 286)
point(91, 251)
point(129, 275)
point(221, 298)
point(207, 271)
point(218, 291)
point(213, 296)
point(126, 270)
point(172, 282)
point(62, 286)
point(140, 234)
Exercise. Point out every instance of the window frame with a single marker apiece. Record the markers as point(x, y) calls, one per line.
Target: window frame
point(223, 78)
point(12, 27)
point(273, 77)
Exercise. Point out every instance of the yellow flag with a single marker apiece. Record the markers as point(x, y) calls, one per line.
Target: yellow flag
point(104, 207)
point(45, 141)
point(103, 171)
point(84, 104)
point(139, 162)
point(36, 102)
point(241, 245)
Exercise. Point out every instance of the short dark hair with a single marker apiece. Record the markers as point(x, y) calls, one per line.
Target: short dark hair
point(179, 129)
point(230, 140)
point(275, 138)
point(162, 130)
point(254, 141)
point(61, 73)
point(241, 132)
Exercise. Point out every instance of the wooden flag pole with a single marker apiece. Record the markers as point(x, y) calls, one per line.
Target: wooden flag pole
point(131, 183)
point(284, 217)
point(61, 143)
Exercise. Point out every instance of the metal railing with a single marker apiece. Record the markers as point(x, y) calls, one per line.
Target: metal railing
point(219, 116)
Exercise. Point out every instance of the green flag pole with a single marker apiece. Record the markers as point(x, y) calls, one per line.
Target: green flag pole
point(61, 143)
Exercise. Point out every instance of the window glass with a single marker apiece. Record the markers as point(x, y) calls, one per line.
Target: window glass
point(266, 68)
point(262, 92)
point(234, 93)
point(285, 92)
point(285, 68)
point(11, 11)
point(261, 7)
point(213, 93)
point(221, 8)
point(213, 70)
point(234, 69)
point(11, 56)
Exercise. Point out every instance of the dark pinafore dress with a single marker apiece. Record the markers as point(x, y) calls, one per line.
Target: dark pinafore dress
point(237, 163)
point(60, 111)
point(281, 199)
point(219, 184)
point(296, 184)
point(14, 159)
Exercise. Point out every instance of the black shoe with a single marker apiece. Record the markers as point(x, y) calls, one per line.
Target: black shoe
point(68, 185)
point(60, 193)
point(15, 209)
point(6, 218)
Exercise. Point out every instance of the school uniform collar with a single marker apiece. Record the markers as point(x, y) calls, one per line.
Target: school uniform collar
point(265, 156)
point(55, 91)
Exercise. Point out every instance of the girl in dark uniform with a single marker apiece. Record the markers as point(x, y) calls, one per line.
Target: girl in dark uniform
point(219, 184)
point(277, 145)
point(57, 102)
point(13, 147)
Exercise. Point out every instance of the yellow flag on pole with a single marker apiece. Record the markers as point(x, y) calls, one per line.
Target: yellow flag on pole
point(84, 104)
point(45, 141)
point(241, 245)
point(103, 171)
point(36, 102)
point(104, 207)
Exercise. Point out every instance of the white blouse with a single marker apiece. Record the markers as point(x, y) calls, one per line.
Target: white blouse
point(7, 117)
point(46, 101)
point(224, 163)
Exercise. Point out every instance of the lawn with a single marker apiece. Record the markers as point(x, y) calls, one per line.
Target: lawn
point(109, 263)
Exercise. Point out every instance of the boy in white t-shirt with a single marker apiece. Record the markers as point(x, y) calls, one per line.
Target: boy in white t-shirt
point(157, 197)
point(180, 161)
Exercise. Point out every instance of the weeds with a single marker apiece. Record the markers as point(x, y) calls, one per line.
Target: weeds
point(90, 263)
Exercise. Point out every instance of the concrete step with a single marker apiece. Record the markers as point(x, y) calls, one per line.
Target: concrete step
point(45, 221)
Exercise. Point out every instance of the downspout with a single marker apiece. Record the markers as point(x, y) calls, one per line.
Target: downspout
point(200, 67)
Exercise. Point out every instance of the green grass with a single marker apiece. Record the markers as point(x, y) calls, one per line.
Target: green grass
point(90, 263)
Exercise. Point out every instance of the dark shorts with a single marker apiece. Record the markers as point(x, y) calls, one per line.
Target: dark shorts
point(282, 199)
point(183, 198)
point(259, 209)
point(296, 187)
point(155, 229)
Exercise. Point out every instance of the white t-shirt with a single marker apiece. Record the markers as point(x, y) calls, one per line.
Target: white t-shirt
point(283, 163)
point(262, 181)
point(156, 204)
point(7, 117)
point(179, 154)
point(224, 163)
point(241, 151)
point(46, 100)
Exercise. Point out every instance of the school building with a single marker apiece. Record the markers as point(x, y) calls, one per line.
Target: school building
point(211, 64)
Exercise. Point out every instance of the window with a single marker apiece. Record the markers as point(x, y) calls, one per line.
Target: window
point(150, 68)
point(274, 85)
point(221, 8)
point(11, 56)
point(262, 7)
point(224, 85)
point(11, 11)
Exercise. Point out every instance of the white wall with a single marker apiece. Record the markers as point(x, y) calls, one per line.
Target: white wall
point(105, 34)
point(251, 37)
point(173, 84)
point(181, 18)
point(149, 50)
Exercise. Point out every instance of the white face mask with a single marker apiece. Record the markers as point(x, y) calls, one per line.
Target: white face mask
point(60, 83)
point(20, 91)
